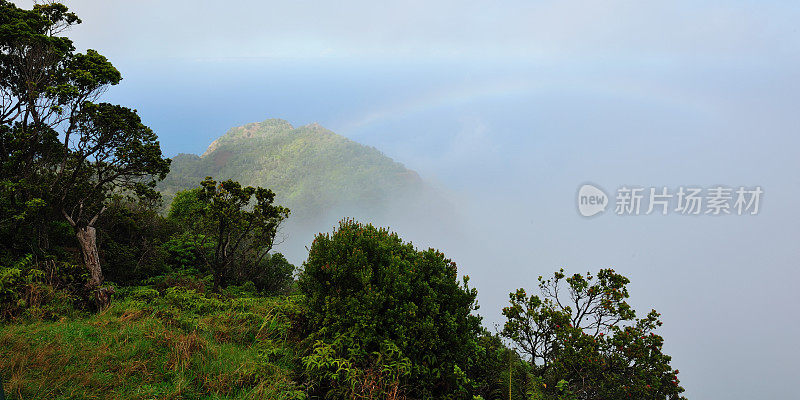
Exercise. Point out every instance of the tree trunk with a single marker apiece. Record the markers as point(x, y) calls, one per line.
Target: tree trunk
point(219, 280)
point(87, 237)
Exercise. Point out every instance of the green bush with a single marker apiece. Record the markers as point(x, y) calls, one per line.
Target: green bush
point(188, 300)
point(188, 279)
point(44, 290)
point(493, 364)
point(142, 293)
point(183, 253)
point(13, 282)
point(130, 238)
point(246, 289)
point(272, 276)
point(368, 292)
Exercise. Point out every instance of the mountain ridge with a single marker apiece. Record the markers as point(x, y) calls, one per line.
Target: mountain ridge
point(311, 169)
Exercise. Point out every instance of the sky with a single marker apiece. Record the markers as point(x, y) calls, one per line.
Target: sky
point(509, 107)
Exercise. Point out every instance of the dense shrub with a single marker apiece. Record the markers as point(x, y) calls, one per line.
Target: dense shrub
point(131, 237)
point(184, 254)
point(186, 207)
point(374, 301)
point(187, 279)
point(492, 367)
point(273, 275)
point(41, 290)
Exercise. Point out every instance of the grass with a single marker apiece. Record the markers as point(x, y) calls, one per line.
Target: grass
point(150, 345)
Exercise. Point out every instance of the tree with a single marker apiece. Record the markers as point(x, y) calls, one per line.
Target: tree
point(31, 58)
point(583, 338)
point(60, 148)
point(113, 153)
point(397, 318)
point(239, 223)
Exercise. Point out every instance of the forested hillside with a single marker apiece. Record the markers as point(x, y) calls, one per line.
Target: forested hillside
point(311, 169)
point(106, 295)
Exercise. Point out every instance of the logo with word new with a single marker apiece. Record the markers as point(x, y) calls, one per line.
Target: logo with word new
point(591, 200)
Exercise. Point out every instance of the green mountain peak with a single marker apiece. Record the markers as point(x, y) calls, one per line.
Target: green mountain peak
point(312, 170)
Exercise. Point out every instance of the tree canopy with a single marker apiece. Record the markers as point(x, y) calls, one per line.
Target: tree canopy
point(583, 338)
point(62, 152)
point(398, 317)
point(238, 223)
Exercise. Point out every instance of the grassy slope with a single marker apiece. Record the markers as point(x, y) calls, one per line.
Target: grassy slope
point(178, 344)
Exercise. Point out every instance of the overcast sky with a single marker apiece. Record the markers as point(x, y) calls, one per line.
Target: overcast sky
point(510, 107)
point(613, 30)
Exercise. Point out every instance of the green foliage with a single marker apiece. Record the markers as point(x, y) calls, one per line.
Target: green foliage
point(186, 207)
point(187, 279)
point(312, 170)
point(115, 153)
point(13, 284)
point(584, 340)
point(31, 61)
point(131, 241)
point(143, 293)
point(365, 288)
point(492, 366)
point(46, 290)
point(273, 275)
point(238, 225)
point(184, 253)
point(349, 378)
point(63, 154)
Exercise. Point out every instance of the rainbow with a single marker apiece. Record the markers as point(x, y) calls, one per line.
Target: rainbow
point(659, 94)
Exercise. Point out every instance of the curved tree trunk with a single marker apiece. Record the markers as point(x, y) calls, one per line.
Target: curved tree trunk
point(87, 237)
